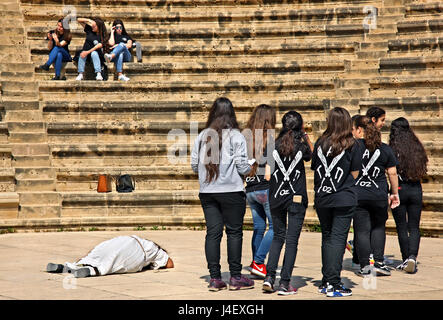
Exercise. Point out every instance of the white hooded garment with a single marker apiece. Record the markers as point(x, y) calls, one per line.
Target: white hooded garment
point(123, 254)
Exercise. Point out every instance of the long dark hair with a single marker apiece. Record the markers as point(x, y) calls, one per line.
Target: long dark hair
point(338, 134)
point(410, 153)
point(291, 134)
point(263, 117)
point(371, 133)
point(118, 21)
point(221, 116)
point(375, 112)
point(67, 36)
point(104, 37)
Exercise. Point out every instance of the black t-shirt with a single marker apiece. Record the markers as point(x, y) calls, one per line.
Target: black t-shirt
point(288, 178)
point(60, 39)
point(371, 182)
point(334, 184)
point(92, 39)
point(122, 38)
point(258, 181)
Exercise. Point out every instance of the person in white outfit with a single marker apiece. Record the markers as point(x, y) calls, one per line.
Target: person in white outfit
point(123, 254)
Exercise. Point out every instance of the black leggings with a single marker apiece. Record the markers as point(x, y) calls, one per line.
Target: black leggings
point(370, 230)
point(407, 218)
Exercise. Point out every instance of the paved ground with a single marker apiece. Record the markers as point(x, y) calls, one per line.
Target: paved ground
point(24, 257)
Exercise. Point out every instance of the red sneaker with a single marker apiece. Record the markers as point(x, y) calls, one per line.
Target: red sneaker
point(258, 269)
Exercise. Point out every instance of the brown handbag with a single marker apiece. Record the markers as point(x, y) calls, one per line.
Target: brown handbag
point(104, 183)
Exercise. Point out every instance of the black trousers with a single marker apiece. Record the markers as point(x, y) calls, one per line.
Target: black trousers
point(407, 218)
point(224, 210)
point(295, 215)
point(335, 224)
point(370, 230)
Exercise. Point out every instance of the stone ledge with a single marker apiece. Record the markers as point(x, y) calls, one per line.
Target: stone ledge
point(416, 63)
point(415, 44)
point(430, 25)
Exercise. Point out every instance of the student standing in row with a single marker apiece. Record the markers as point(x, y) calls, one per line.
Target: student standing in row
point(220, 157)
point(377, 116)
point(288, 199)
point(95, 42)
point(120, 42)
point(336, 162)
point(371, 213)
point(58, 44)
point(412, 167)
point(261, 127)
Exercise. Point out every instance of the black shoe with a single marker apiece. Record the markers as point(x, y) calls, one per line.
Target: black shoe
point(268, 284)
point(381, 269)
point(363, 272)
point(338, 290)
point(55, 268)
point(44, 67)
point(63, 78)
point(82, 273)
point(56, 78)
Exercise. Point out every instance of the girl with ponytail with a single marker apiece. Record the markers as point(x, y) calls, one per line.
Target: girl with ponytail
point(373, 199)
point(288, 198)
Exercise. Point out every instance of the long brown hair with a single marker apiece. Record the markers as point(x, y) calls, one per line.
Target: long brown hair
point(371, 133)
point(67, 36)
point(104, 37)
point(338, 134)
point(263, 118)
point(221, 116)
point(409, 151)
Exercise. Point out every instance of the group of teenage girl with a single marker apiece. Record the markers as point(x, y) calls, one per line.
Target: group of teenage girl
point(99, 46)
point(351, 168)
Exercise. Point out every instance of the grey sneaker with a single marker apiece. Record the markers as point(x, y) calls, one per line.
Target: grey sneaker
point(411, 266)
point(82, 273)
point(55, 268)
point(217, 285)
point(402, 266)
point(286, 290)
point(240, 283)
point(365, 271)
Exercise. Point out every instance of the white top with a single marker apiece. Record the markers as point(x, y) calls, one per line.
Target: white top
point(125, 254)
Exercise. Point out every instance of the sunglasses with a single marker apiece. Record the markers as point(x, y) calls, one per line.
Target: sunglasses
point(118, 27)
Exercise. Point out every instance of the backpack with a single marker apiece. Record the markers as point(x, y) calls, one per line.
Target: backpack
point(125, 183)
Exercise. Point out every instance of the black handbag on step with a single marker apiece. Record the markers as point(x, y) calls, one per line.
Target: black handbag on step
point(125, 183)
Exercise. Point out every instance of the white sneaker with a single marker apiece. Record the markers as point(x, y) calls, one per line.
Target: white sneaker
point(123, 78)
point(108, 57)
point(79, 77)
point(99, 77)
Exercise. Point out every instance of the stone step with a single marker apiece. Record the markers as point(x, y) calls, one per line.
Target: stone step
point(422, 26)
point(40, 198)
point(29, 137)
point(406, 63)
point(23, 86)
point(434, 7)
point(27, 126)
point(431, 43)
point(35, 149)
point(39, 212)
point(31, 161)
point(36, 184)
point(45, 173)
point(28, 115)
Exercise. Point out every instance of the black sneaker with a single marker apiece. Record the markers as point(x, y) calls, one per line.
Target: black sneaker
point(56, 78)
point(286, 289)
point(338, 290)
point(381, 269)
point(323, 288)
point(402, 266)
point(363, 272)
point(44, 67)
point(268, 285)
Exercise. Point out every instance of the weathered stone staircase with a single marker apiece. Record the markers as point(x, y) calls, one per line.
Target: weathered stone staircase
point(304, 55)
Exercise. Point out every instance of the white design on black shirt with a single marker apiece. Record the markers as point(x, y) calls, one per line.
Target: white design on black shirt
point(286, 173)
point(365, 171)
point(328, 170)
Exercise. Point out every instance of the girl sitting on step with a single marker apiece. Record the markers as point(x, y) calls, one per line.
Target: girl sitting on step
point(95, 42)
point(120, 42)
point(58, 44)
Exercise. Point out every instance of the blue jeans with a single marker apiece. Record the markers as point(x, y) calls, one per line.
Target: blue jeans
point(58, 55)
point(95, 60)
point(261, 243)
point(122, 54)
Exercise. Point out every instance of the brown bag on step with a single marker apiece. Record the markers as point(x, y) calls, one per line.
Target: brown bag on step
point(104, 183)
